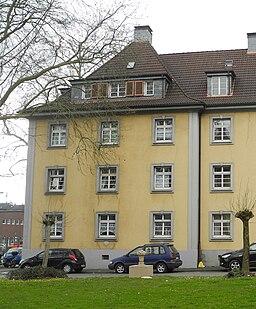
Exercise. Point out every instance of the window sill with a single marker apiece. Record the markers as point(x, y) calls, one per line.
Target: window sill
point(161, 239)
point(163, 143)
point(221, 240)
point(161, 191)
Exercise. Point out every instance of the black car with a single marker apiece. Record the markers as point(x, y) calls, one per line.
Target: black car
point(233, 260)
point(163, 257)
point(67, 259)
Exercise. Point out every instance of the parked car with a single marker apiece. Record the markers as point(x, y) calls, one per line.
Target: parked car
point(12, 257)
point(67, 259)
point(163, 257)
point(233, 259)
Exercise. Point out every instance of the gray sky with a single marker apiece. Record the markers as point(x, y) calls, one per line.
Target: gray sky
point(199, 25)
point(178, 26)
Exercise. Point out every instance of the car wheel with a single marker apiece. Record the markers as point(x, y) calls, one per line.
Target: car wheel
point(67, 268)
point(161, 267)
point(119, 268)
point(234, 265)
point(6, 265)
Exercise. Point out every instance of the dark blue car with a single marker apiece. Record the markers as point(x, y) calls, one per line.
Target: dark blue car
point(12, 257)
point(163, 257)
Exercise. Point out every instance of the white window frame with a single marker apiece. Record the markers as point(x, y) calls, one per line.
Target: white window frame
point(86, 91)
point(221, 223)
point(222, 176)
point(165, 128)
point(149, 88)
point(222, 127)
point(56, 178)
point(219, 85)
point(111, 131)
point(106, 225)
point(163, 223)
point(156, 174)
point(117, 89)
point(61, 134)
point(106, 177)
point(57, 229)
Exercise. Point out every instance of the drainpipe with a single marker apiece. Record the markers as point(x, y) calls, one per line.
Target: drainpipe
point(199, 249)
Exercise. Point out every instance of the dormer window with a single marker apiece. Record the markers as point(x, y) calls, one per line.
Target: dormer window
point(220, 84)
point(99, 90)
point(117, 89)
point(149, 88)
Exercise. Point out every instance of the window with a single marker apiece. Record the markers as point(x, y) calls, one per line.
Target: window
point(221, 129)
point(117, 89)
point(106, 226)
point(56, 179)
point(162, 178)
point(221, 225)
point(109, 133)
point(162, 225)
point(219, 84)
point(57, 228)
point(149, 88)
point(4, 221)
point(8, 221)
point(99, 90)
point(13, 221)
point(221, 177)
point(107, 179)
point(58, 135)
point(134, 88)
point(86, 91)
point(163, 130)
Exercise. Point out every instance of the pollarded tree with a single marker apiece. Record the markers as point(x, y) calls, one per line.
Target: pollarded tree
point(243, 206)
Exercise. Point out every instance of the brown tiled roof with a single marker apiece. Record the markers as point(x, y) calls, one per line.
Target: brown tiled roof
point(147, 63)
point(189, 71)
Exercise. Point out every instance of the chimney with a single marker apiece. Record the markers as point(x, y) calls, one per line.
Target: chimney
point(251, 42)
point(143, 33)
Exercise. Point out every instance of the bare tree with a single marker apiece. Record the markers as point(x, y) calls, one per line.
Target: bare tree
point(44, 44)
point(243, 206)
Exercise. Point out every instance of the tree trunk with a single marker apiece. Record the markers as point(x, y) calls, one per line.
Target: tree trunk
point(47, 244)
point(245, 266)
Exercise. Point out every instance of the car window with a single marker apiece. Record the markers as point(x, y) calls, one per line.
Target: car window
point(253, 247)
point(135, 251)
point(173, 249)
point(154, 250)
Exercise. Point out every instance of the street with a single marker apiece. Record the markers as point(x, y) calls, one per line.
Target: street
point(105, 273)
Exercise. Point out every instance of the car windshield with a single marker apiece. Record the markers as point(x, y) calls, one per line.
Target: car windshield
point(135, 251)
point(173, 249)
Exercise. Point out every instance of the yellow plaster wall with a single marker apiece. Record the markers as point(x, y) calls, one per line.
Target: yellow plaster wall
point(242, 154)
point(134, 155)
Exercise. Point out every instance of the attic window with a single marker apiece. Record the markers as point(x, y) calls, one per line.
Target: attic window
point(220, 84)
point(130, 65)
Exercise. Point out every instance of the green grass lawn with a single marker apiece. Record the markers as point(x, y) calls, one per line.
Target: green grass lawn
point(158, 292)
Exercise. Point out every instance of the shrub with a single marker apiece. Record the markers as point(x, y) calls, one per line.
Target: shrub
point(37, 272)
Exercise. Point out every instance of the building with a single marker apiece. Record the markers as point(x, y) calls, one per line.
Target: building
point(11, 224)
point(164, 143)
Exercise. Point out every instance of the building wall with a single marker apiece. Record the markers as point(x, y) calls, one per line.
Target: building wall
point(241, 154)
point(134, 201)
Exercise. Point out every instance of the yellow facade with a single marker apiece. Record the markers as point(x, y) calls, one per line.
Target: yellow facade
point(134, 200)
point(241, 154)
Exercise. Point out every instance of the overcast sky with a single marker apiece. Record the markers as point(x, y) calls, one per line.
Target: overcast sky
point(199, 25)
point(179, 26)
